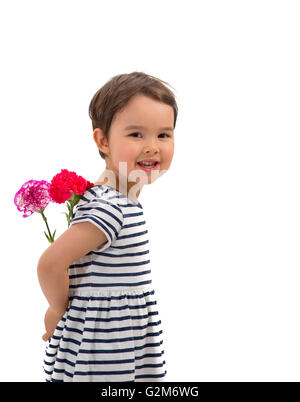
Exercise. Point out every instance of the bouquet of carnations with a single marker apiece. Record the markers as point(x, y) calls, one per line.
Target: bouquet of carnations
point(65, 187)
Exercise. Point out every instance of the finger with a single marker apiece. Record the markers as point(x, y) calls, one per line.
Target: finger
point(45, 337)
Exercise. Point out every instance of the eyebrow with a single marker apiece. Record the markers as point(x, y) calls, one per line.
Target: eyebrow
point(133, 127)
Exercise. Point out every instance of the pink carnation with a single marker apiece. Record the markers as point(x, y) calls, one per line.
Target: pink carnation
point(32, 196)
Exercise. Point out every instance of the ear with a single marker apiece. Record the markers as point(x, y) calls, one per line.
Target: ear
point(101, 140)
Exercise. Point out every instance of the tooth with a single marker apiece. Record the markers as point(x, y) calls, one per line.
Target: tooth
point(148, 163)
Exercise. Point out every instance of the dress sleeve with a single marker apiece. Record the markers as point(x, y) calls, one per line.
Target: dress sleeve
point(104, 214)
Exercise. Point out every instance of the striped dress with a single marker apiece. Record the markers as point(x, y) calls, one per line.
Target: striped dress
point(111, 330)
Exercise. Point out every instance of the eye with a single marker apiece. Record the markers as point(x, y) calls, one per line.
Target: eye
point(134, 134)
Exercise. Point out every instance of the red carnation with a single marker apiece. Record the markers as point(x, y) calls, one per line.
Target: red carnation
point(65, 184)
point(89, 184)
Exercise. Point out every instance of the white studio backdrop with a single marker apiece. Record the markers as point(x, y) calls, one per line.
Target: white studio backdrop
point(224, 221)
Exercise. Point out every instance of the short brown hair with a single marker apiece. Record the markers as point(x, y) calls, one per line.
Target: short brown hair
point(116, 93)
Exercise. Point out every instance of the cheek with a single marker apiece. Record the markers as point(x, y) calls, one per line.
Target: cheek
point(131, 153)
point(168, 154)
point(127, 153)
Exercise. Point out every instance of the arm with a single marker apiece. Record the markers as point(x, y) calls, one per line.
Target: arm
point(53, 277)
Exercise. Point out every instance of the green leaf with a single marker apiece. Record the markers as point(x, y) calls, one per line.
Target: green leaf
point(48, 238)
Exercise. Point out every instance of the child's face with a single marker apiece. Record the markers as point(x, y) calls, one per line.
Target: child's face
point(153, 140)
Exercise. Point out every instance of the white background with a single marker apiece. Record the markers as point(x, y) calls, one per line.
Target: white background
point(224, 221)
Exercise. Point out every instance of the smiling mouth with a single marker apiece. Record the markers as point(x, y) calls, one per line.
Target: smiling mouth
point(148, 167)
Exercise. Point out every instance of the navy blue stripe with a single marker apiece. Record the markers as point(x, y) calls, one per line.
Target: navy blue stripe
point(126, 264)
point(133, 235)
point(70, 340)
point(103, 372)
point(131, 225)
point(97, 221)
point(132, 206)
point(52, 346)
point(130, 215)
point(110, 275)
point(124, 350)
point(151, 365)
point(94, 362)
point(65, 361)
point(84, 264)
point(150, 355)
point(151, 375)
point(103, 285)
point(95, 262)
point(63, 371)
point(66, 350)
point(71, 329)
point(104, 210)
point(49, 364)
point(56, 337)
point(50, 354)
point(124, 296)
point(111, 308)
point(126, 317)
point(110, 255)
point(105, 201)
point(119, 329)
point(132, 245)
point(131, 338)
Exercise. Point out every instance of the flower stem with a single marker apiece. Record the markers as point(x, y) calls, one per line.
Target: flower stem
point(50, 237)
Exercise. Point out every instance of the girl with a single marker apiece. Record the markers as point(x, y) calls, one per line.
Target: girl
point(102, 324)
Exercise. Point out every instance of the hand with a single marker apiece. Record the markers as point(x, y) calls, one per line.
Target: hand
point(51, 320)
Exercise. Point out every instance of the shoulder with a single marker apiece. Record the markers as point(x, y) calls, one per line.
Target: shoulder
point(101, 202)
point(102, 196)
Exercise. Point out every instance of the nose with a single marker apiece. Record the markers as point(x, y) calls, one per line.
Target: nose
point(151, 146)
